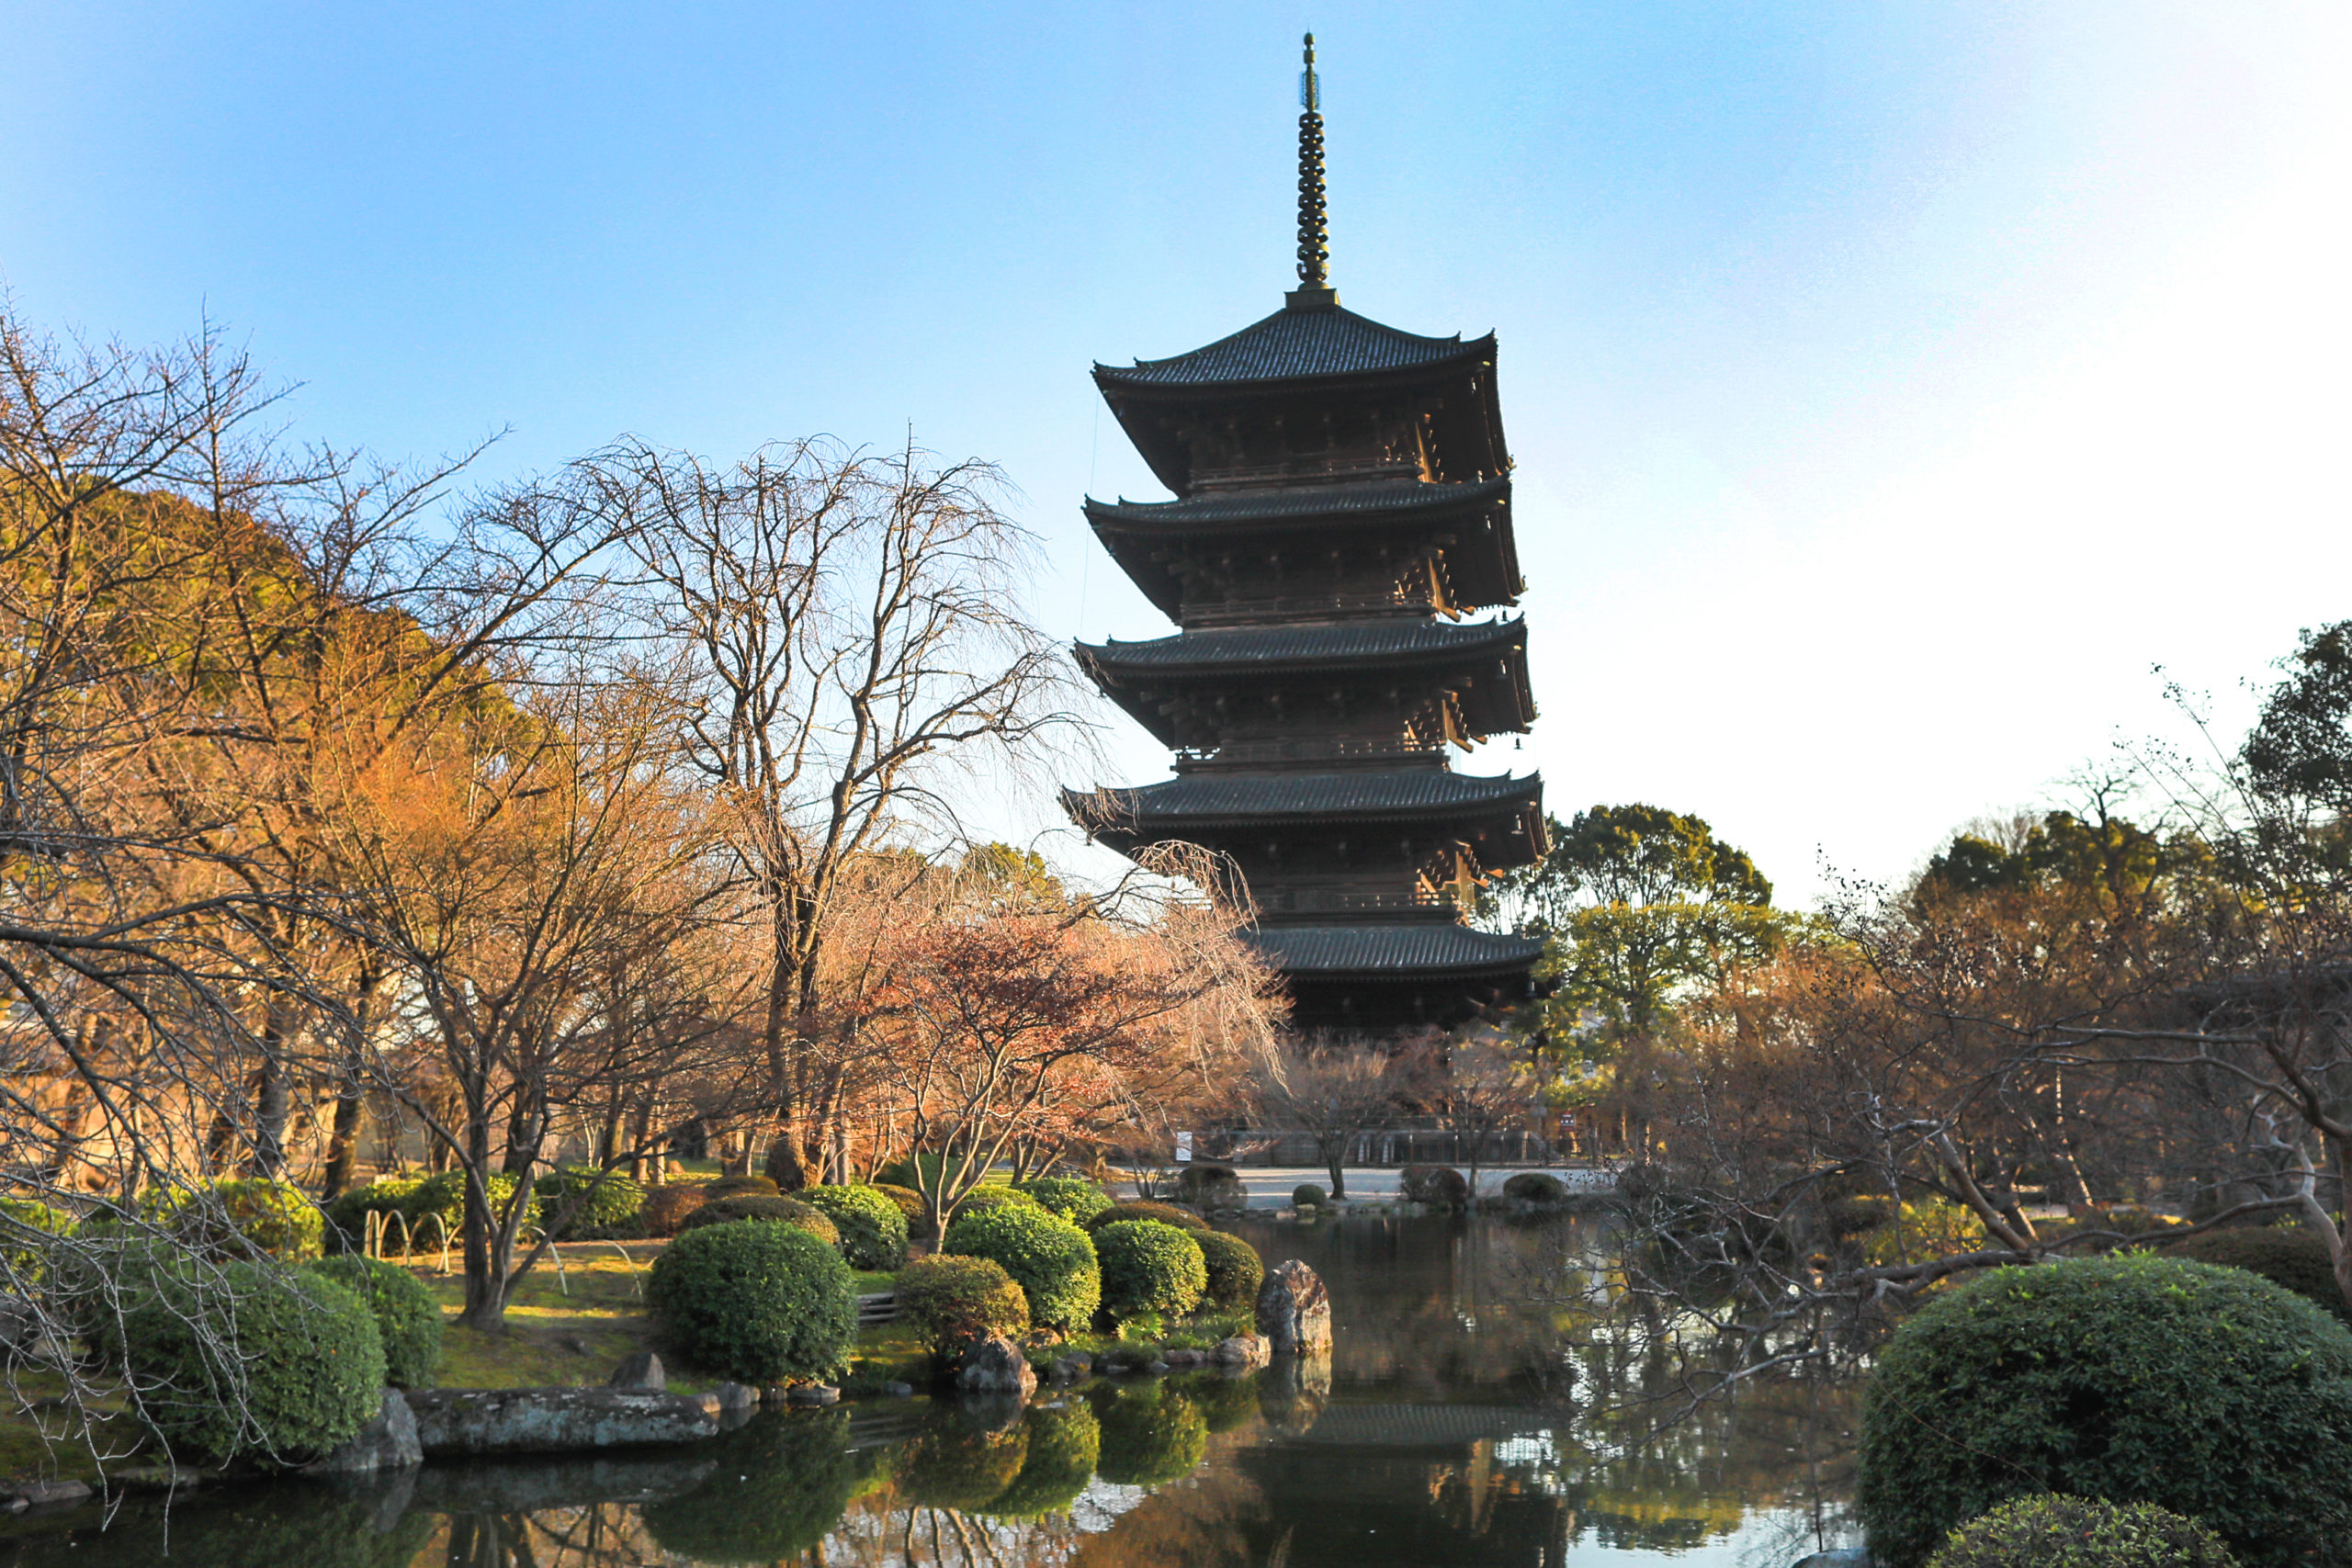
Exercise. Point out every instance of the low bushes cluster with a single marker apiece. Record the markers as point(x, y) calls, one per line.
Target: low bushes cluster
point(950, 1301)
point(25, 1226)
point(1308, 1196)
point(1536, 1187)
point(1149, 1270)
point(911, 1202)
point(610, 1203)
point(758, 1302)
point(1234, 1271)
point(2205, 1391)
point(768, 1211)
point(872, 1231)
point(2050, 1532)
point(407, 1319)
point(419, 1201)
point(1165, 1214)
point(917, 1173)
point(1051, 1259)
point(239, 1217)
point(1074, 1198)
point(1439, 1185)
point(993, 1196)
point(2292, 1256)
point(248, 1359)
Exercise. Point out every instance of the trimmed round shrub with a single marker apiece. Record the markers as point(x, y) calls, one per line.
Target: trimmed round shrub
point(778, 1495)
point(346, 1214)
point(743, 1186)
point(993, 1196)
point(872, 1231)
point(1063, 1446)
point(1536, 1187)
point(667, 1206)
point(1308, 1196)
point(910, 1202)
point(2293, 1258)
point(1234, 1271)
point(2205, 1391)
point(758, 1302)
point(2050, 1532)
point(407, 1320)
point(609, 1201)
point(1149, 1269)
point(1439, 1185)
point(917, 1173)
point(240, 1216)
point(249, 1358)
point(1051, 1259)
point(1074, 1198)
point(1165, 1214)
point(1150, 1436)
point(949, 1302)
point(767, 1211)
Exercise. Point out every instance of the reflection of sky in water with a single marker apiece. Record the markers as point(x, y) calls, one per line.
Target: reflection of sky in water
point(1451, 1426)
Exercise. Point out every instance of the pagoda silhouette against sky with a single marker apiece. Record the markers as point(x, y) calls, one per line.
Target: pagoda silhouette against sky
point(1343, 505)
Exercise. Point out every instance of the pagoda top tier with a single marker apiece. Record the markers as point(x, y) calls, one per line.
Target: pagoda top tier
point(1312, 379)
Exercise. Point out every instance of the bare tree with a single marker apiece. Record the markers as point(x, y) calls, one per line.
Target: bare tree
point(849, 625)
point(1333, 1090)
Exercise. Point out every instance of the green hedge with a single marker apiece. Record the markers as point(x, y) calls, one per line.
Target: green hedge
point(2205, 1391)
point(873, 1230)
point(981, 1199)
point(2293, 1257)
point(417, 1200)
point(768, 1211)
point(1536, 1187)
point(755, 1302)
point(1307, 1195)
point(668, 1204)
point(1073, 1198)
point(249, 1359)
point(911, 1202)
point(779, 1493)
point(1049, 1257)
point(2050, 1532)
point(25, 1226)
point(1439, 1185)
point(743, 1186)
point(612, 1199)
point(949, 1302)
point(239, 1216)
point(407, 1319)
point(1149, 1270)
point(1234, 1271)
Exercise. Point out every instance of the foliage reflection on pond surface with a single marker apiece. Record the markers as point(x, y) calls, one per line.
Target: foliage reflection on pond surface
point(1454, 1424)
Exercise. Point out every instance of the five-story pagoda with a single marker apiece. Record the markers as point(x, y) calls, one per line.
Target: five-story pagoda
point(1343, 505)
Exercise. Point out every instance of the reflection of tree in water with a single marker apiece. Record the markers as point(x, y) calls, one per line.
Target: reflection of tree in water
point(781, 1483)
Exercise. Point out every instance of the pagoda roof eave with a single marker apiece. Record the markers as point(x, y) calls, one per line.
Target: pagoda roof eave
point(1322, 953)
point(1297, 506)
point(1315, 347)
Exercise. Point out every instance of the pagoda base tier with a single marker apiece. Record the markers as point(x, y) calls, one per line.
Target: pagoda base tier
point(1385, 978)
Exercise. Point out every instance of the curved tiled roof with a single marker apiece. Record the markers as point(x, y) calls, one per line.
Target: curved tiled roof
point(1292, 343)
point(1427, 792)
point(1311, 949)
point(1302, 501)
point(1367, 641)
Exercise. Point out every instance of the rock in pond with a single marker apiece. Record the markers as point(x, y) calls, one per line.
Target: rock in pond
point(996, 1365)
point(1243, 1350)
point(45, 1494)
point(732, 1396)
point(1295, 1310)
point(643, 1369)
point(472, 1423)
point(812, 1393)
point(389, 1441)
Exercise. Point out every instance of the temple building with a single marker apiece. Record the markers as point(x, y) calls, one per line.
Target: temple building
point(1339, 538)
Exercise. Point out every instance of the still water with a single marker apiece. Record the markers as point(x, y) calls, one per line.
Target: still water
point(1463, 1420)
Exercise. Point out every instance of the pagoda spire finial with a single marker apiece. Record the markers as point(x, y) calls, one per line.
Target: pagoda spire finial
point(1313, 291)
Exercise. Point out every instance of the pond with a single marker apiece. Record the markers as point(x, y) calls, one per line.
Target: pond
point(1453, 1425)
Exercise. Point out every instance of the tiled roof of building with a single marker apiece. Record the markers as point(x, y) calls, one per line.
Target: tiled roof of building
point(1302, 502)
point(1321, 950)
point(1290, 343)
point(1203, 798)
point(1365, 641)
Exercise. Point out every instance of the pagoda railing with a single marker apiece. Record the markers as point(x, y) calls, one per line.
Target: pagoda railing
point(1221, 612)
point(1332, 469)
point(1337, 901)
point(1247, 752)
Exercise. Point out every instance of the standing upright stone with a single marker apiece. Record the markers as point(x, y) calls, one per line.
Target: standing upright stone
point(1295, 1310)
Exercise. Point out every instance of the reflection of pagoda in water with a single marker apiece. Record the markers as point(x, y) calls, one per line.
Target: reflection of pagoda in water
point(1343, 505)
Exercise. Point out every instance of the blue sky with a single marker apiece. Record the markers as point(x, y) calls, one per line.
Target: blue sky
point(1893, 387)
